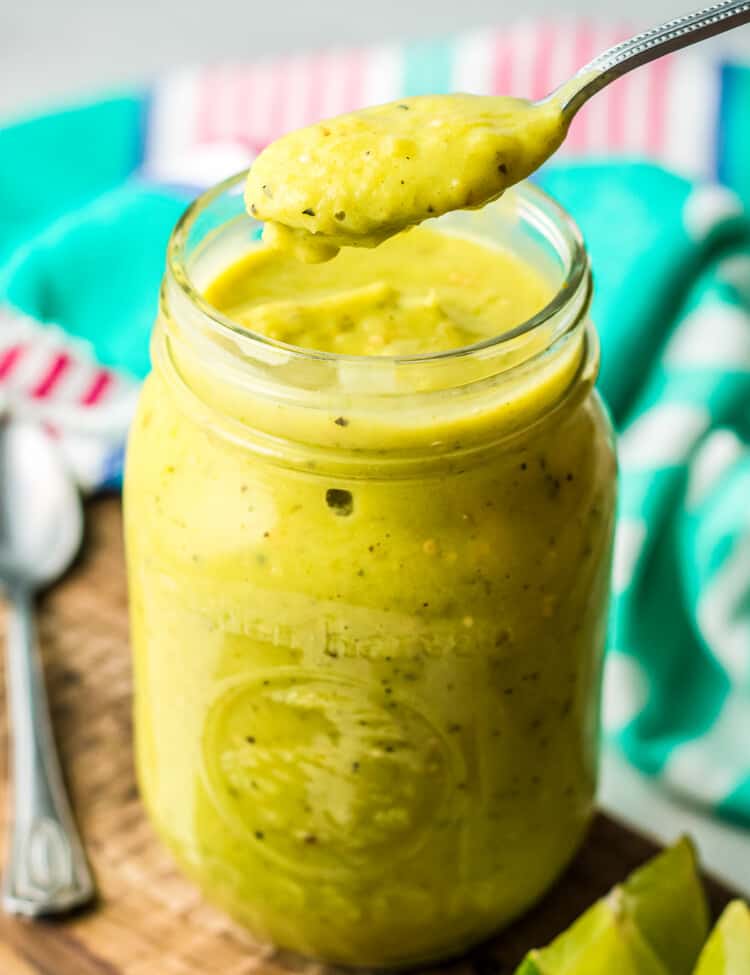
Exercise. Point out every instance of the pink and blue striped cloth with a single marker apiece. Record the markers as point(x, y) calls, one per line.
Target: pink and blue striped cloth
point(641, 115)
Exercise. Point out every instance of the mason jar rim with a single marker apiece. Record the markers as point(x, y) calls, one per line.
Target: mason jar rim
point(537, 203)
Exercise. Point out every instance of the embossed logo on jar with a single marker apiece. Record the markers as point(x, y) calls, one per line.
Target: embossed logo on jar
point(322, 773)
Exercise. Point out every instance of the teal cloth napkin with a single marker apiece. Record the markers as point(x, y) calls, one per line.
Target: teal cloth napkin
point(672, 305)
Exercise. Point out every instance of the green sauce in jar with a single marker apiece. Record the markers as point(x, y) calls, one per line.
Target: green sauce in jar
point(369, 579)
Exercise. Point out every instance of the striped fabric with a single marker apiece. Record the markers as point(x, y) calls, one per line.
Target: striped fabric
point(245, 106)
point(46, 375)
point(671, 251)
point(678, 667)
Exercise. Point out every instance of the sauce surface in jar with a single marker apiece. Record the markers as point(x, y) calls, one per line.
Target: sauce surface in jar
point(368, 611)
point(420, 292)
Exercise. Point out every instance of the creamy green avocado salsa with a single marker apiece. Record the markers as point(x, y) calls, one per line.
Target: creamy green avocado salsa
point(357, 179)
point(367, 630)
point(419, 292)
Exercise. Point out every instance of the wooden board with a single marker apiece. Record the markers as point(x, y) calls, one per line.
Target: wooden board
point(149, 920)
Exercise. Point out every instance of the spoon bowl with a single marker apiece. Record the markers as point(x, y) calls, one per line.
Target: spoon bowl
point(41, 517)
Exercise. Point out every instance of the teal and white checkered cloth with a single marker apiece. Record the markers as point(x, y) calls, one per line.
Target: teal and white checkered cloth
point(667, 225)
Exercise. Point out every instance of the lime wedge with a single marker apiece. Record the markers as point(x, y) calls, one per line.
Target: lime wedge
point(601, 941)
point(667, 903)
point(653, 924)
point(727, 951)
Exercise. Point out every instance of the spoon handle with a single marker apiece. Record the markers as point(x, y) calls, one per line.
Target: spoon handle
point(651, 44)
point(47, 872)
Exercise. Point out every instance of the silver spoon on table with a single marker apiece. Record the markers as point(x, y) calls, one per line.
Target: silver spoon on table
point(41, 525)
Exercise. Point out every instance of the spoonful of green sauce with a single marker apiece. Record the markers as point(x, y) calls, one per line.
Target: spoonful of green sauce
point(357, 179)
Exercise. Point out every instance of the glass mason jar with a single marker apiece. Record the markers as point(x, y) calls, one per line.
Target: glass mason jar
point(368, 601)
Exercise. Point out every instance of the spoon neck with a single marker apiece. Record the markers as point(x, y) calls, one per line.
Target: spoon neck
point(648, 46)
point(17, 589)
point(576, 91)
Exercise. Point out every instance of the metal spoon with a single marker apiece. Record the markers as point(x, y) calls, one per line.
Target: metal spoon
point(469, 150)
point(651, 44)
point(41, 525)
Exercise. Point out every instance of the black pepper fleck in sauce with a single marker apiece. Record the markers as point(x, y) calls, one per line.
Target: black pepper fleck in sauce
point(341, 502)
